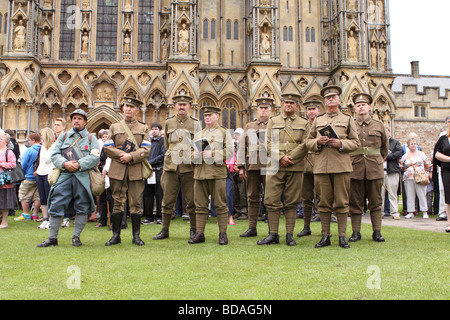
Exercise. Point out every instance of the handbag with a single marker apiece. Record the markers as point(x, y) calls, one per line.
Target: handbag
point(147, 169)
point(17, 175)
point(420, 177)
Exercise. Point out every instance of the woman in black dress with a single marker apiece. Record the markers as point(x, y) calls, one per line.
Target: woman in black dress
point(442, 159)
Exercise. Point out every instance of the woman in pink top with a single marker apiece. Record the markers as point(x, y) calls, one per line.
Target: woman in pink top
point(7, 191)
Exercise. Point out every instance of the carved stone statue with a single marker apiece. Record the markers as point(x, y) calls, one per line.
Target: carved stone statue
point(265, 40)
point(374, 55)
point(127, 43)
point(85, 43)
point(382, 54)
point(165, 46)
point(326, 53)
point(19, 36)
point(352, 45)
point(46, 46)
point(128, 5)
point(183, 40)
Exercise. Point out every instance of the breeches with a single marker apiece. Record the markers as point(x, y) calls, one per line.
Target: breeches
point(360, 189)
point(69, 194)
point(170, 183)
point(119, 190)
point(254, 181)
point(216, 188)
point(333, 191)
point(288, 181)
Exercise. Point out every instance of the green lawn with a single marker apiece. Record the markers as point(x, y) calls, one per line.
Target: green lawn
point(411, 264)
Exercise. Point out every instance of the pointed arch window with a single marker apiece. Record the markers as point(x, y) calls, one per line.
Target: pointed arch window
point(205, 29)
point(229, 114)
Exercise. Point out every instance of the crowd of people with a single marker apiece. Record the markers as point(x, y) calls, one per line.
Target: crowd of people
point(326, 167)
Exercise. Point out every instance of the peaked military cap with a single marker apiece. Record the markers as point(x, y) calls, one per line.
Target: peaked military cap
point(210, 109)
point(264, 102)
point(81, 112)
point(362, 97)
point(130, 101)
point(312, 104)
point(330, 91)
point(182, 97)
point(291, 97)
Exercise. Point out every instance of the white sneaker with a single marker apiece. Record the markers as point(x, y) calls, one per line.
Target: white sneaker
point(43, 225)
point(65, 223)
point(425, 215)
point(409, 215)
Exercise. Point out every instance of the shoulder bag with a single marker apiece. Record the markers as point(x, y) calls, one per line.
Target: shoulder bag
point(17, 175)
point(420, 177)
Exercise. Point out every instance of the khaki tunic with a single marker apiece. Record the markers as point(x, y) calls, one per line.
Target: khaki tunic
point(127, 177)
point(178, 165)
point(285, 136)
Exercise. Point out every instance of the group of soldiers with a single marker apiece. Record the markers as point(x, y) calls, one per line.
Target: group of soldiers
point(330, 159)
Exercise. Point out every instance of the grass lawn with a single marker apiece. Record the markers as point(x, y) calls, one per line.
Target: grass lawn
point(411, 264)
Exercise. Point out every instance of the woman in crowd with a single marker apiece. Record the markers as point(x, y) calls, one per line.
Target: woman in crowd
point(7, 191)
point(412, 162)
point(442, 159)
point(44, 168)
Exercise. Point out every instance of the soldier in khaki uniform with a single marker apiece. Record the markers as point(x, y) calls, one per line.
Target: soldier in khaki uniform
point(332, 164)
point(308, 192)
point(368, 174)
point(210, 174)
point(252, 160)
point(178, 167)
point(125, 172)
point(285, 139)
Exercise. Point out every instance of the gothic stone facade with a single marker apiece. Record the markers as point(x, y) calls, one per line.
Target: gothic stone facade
point(60, 55)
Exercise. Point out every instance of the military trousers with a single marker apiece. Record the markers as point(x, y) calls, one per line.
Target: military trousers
point(286, 183)
point(256, 186)
point(359, 191)
point(308, 196)
point(134, 189)
point(170, 183)
point(333, 192)
point(216, 188)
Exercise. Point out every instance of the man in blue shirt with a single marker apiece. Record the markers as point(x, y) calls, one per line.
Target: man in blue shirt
point(28, 190)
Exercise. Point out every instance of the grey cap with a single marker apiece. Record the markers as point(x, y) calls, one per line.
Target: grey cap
point(80, 112)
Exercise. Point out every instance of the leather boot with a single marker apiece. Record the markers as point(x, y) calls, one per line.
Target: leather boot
point(376, 236)
point(356, 236)
point(290, 240)
point(223, 239)
point(163, 234)
point(251, 232)
point(343, 242)
point(305, 232)
point(324, 242)
point(272, 238)
point(116, 226)
point(48, 242)
point(136, 229)
point(192, 232)
point(76, 241)
point(198, 238)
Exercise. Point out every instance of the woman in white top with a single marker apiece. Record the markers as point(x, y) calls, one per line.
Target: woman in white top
point(44, 168)
point(414, 160)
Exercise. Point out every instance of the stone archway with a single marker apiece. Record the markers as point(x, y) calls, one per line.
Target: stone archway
point(101, 118)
